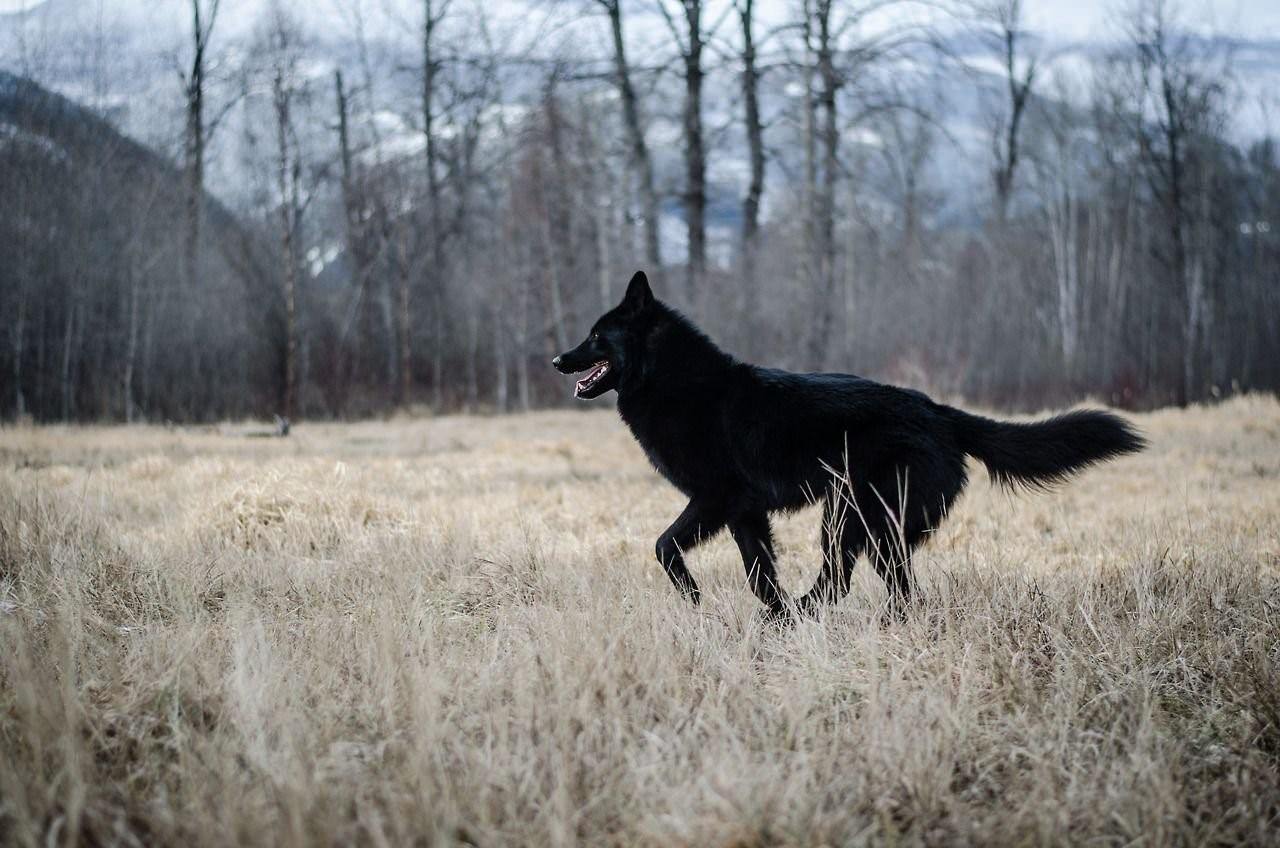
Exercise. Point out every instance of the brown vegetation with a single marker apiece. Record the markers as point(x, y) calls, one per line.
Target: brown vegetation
point(453, 631)
point(822, 185)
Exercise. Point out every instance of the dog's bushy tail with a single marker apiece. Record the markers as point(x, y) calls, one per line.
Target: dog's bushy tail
point(1041, 454)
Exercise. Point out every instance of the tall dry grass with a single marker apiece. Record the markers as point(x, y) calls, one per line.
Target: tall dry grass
point(454, 632)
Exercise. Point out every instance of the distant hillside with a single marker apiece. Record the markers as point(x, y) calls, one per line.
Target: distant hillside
point(51, 136)
point(139, 89)
point(91, 232)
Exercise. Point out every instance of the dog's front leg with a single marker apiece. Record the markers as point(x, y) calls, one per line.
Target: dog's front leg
point(697, 522)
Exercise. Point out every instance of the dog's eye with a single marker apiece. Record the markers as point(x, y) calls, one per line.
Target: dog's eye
point(595, 337)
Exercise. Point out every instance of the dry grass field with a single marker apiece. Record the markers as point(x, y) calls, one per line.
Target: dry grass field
point(453, 631)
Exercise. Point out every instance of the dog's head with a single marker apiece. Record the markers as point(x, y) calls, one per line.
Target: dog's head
point(611, 352)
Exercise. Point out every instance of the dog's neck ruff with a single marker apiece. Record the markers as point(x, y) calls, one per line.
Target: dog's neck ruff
point(679, 361)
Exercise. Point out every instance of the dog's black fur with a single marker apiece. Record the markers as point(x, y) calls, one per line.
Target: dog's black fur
point(743, 441)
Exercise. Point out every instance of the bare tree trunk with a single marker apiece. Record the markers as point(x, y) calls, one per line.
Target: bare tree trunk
point(597, 193)
point(17, 339)
point(825, 231)
point(195, 182)
point(501, 382)
point(1063, 212)
point(641, 163)
point(556, 224)
point(810, 146)
point(1185, 101)
point(755, 147)
point(522, 383)
point(559, 335)
point(405, 322)
point(473, 357)
point(695, 199)
point(1204, 318)
point(68, 345)
point(43, 342)
point(146, 378)
point(1180, 266)
point(1007, 16)
point(287, 176)
point(433, 12)
point(351, 362)
point(1120, 229)
point(522, 344)
point(603, 208)
point(291, 320)
point(850, 277)
point(388, 293)
point(131, 350)
point(344, 155)
point(627, 225)
point(194, 140)
point(437, 358)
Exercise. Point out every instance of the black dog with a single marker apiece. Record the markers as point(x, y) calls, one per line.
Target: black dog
point(742, 441)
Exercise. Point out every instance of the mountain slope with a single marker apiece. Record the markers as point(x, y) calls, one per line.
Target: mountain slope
point(91, 231)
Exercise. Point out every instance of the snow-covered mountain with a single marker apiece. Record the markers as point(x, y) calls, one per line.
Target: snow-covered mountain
point(123, 60)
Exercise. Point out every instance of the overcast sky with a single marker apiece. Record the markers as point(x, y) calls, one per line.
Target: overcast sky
point(1071, 20)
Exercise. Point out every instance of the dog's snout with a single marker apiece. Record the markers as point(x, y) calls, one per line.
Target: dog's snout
point(556, 362)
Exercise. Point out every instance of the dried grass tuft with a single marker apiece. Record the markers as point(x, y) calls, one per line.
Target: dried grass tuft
point(290, 511)
point(452, 631)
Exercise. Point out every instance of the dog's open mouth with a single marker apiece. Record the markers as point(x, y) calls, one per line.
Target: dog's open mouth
point(594, 375)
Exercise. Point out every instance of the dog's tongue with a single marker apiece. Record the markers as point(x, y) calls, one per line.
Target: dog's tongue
point(586, 381)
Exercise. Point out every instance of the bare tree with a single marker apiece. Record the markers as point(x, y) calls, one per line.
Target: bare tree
point(1062, 208)
point(282, 53)
point(463, 222)
point(691, 37)
point(641, 161)
point(368, 233)
point(434, 13)
point(909, 135)
point(140, 260)
point(1059, 173)
point(820, 41)
point(842, 53)
point(17, 339)
point(204, 15)
point(754, 129)
point(601, 197)
point(557, 223)
point(1002, 22)
point(1178, 113)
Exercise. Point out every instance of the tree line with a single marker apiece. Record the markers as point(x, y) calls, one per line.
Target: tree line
point(424, 218)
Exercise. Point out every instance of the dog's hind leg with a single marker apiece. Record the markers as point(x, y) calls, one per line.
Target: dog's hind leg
point(844, 539)
point(910, 504)
point(755, 542)
point(696, 523)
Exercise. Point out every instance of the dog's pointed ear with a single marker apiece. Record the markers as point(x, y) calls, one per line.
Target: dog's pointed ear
point(639, 294)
